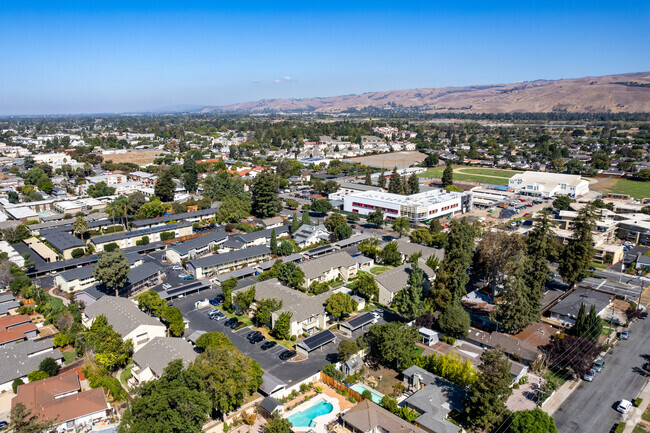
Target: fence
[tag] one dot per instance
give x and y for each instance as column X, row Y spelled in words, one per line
column 340, row 386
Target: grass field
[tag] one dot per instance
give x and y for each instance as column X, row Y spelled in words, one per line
column 468, row 174
column 635, row 188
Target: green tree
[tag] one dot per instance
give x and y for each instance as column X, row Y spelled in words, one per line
column 562, row 203
column 454, row 320
column 21, row 420
column 392, row 343
column 390, row 255
column 16, row 383
column 395, row 182
column 409, row 301
column 421, row 236
column 244, row 298
column 152, row 209
column 76, row 253
column 49, row 366
column 347, row 349
column 111, row 352
column 232, row 210
column 295, row 224
column 540, row 247
column 227, row 287
column 112, row 269
column 283, row 325
column 532, row 421
column 587, row 325
column 13, row 235
column 366, row 286
column 100, row 189
column 381, row 182
column 12, row 196
column 413, row 184
column 285, row 248
column 333, row 372
column 452, row 276
column 274, row 242
column 485, row 404
column 402, row 225
column 306, row 221
column 448, row 174
column 578, row 254
column 135, row 201
column 174, row 319
column 368, row 178
column 390, row 404
column 37, row 375
column 339, row 304
column 265, row 195
column 212, row 339
column 334, row 220
column 175, row 403
column 342, row 231
column 264, row 309
column 80, row 226
column 321, row 206
column 291, row 275
column 376, row 218
column 165, row 186
column 277, row 424
column 190, row 181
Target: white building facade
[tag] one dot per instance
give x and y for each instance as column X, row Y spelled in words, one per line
column 416, row 207
column 539, row 184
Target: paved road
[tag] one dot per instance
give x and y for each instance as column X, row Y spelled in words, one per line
column 591, row 408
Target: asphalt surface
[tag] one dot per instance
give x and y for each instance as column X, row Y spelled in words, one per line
column 288, row 371
column 591, row 408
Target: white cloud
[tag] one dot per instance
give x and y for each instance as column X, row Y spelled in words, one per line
column 285, row 79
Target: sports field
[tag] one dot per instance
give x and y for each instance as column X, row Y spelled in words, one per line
column 493, row 176
column 634, row 188
column 390, row 160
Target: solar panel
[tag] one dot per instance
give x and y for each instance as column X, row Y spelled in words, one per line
column 361, row 320
column 318, row 340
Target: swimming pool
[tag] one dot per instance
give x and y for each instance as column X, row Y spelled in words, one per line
column 359, row 387
column 306, row 417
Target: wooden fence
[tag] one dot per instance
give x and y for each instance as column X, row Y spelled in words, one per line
column 340, row 386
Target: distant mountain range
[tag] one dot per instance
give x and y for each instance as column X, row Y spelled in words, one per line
column 608, row 93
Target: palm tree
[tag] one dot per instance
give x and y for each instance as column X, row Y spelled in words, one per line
column 80, row 226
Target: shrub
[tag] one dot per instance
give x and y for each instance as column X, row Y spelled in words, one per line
column 515, row 386
column 166, row 236
column 620, row 427
column 304, row 387
column 110, row 247
column 143, row 241
column 449, row 340
column 49, row 366
column 333, row 372
column 352, row 399
column 249, row 418
column 638, row 402
column 77, row 252
column 319, row 389
column 523, row 380
column 366, row 394
column 293, row 338
column 15, row 384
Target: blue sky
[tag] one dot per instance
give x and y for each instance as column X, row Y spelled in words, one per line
column 92, row 56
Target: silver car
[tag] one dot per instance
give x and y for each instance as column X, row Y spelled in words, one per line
column 588, row 377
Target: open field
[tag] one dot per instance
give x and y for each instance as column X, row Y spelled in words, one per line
column 635, row 188
column 140, row 157
column 493, row 176
column 390, row 160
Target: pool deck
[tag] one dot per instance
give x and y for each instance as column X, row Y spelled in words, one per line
column 321, row 421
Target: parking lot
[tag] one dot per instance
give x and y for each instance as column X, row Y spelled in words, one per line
column 288, row 371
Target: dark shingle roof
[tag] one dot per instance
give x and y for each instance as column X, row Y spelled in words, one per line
column 266, row 233
column 199, row 242
column 126, row 235
column 123, row 314
column 233, row 256
column 160, row 351
column 62, row 240
column 175, row 217
column 17, row 360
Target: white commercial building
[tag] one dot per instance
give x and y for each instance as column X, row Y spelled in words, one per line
column 423, row 206
column 539, row 184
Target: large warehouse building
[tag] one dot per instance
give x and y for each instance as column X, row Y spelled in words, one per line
column 539, row 184
column 424, row 206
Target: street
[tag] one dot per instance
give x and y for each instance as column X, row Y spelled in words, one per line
column 592, row 406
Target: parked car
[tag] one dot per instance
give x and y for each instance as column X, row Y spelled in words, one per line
column 177, row 268
column 230, row 321
column 220, row 298
column 214, row 302
column 644, row 315
column 3, row 425
column 598, row 365
column 218, row 316
column 188, row 277
column 170, row 303
column 287, row 355
column 253, row 334
column 256, row 339
column 236, row 324
column 166, row 286
column 268, row 345
column 624, row 406
column 625, row 334
column 589, row 376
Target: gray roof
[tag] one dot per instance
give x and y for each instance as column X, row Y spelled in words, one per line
column 352, row 241
column 233, row 256
column 360, row 186
column 408, row 248
column 174, row 217
column 142, row 272
column 123, row 314
column 396, row 279
column 195, row 336
column 6, row 297
column 126, row 235
column 270, row 405
column 270, row 384
column 266, row 233
column 316, row 267
column 6, row 306
column 93, row 292
column 78, row 273
column 160, row 351
column 239, row 273
column 300, row 304
column 233, row 243
column 17, row 360
column 295, row 258
column 367, row 416
column 62, row 240
column 570, row 305
column 199, row 242
column 272, row 221
column 306, row 231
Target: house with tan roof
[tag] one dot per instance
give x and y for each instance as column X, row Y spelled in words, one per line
column 330, row 267
column 60, row 399
column 368, row 417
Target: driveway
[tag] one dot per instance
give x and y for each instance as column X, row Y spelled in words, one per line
column 592, row 406
column 289, row 372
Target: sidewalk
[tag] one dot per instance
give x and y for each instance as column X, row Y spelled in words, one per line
column 634, row 416
column 558, row 397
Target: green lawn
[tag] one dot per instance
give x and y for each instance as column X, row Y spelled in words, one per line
column 599, row 265
column 56, row 302
column 125, row 375
column 635, row 188
column 557, row 378
column 507, row 174
column 417, row 351
column 479, row 175
column 379, row 270
column 68, row 357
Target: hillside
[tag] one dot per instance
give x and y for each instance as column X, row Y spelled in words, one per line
column 608, row 93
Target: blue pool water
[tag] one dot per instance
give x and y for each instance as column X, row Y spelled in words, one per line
column 376, row 397
column 305, row 417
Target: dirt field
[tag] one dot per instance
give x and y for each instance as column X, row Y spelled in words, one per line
column 390, row 160
column 140, row 157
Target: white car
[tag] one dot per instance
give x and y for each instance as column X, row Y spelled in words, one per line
column 588, row 377
column 624, row 406
column 177, row 268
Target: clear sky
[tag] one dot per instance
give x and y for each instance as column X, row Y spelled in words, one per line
column 115, row 56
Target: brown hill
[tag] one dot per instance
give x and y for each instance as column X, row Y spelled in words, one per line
column 608, row 93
